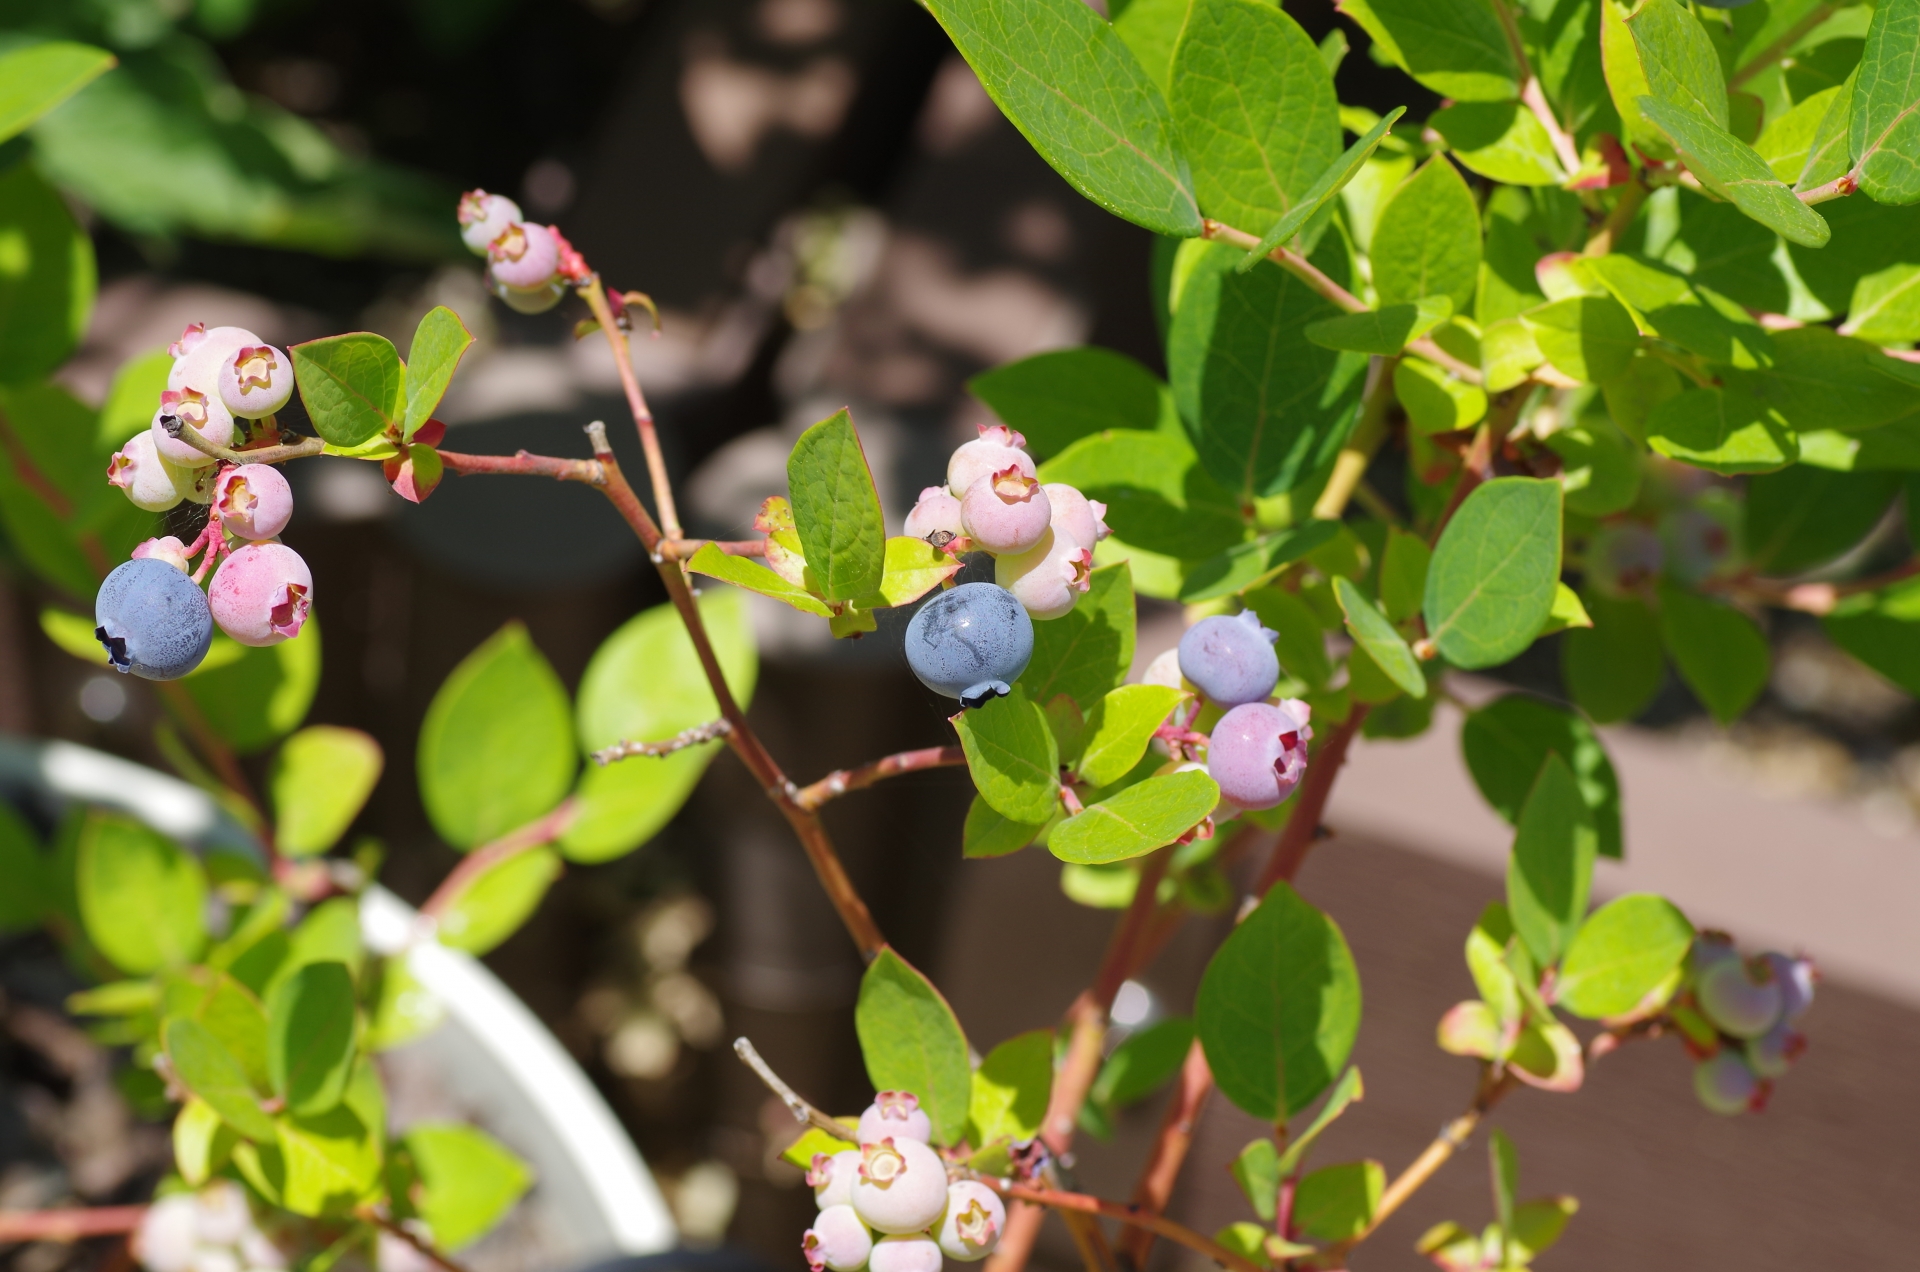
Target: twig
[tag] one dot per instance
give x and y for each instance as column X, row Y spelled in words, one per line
column 533, row 835
column 682, row 549
column 181, row 431
column 68, row 1225
column 1351, row 463
column 803, row 1112
column 1532, row 95
column 590, row 472
column 680, row 741
column 841, row 781
column 1170, row 1148
column 424, row 1247
column 595, row 294
column 1133, row 1216
column 1838, row 188
column 1808, row 598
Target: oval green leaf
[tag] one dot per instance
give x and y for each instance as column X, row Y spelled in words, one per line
column 1491, row 582
column 912, row 1042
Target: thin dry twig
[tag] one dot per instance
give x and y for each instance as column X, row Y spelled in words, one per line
column 841, row 781
column 623, row 749
column 803, row 1112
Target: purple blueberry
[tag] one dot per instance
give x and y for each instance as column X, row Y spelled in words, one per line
column 1739, row 997
column 152, row 619
column 1726, row 1085
column 1231, row 659
column 970, row 643
column 1796, row 978
column 1773, row 1052
column 1258, row 752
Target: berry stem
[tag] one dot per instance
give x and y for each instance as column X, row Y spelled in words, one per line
column 594, row 292
column 302, row 449
column 841, row 781
column 1303, row 826
column 680, row 741
column 533, row 835
column 1132, row 1216
column 68, row 1225
column 682, row 549
column 425, row 1248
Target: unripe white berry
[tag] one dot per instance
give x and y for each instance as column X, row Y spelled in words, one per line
column 995, row 449
column 837, row 1240
column 831, row 1177
column 895, row 1113
column 916, row 1252
column 168, row 1234
column 973, row 1223
column 902, row 1185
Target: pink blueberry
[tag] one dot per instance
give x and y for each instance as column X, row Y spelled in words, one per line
column 198, row 367
column 1082, row 518
column 261, row 594
column 169, row 1234
column 168, row 549
column 837, row 1240
column 901, row 1185
column 1726, row 1085
column 255, row 381
column 524, row 256
column 1739, row 997
column 937, row 513
column 973, row 1223
column 207, row 415
column 1258, row 752
column 484, row 217
column 138, row 469
column 996, row 448
column 914, row 1253
column 895, row 1113
column 831, row 1177
column 1006, row 512
column 1048, row 578
column 254, row 500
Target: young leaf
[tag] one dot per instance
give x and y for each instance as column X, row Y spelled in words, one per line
column 231, row 1012
column 496, row 748
column 1505, row 1163
column 498, row 900
column 1720, row 653
column 1056, row 398
column 1487, row 963
column 1134, row 822
column 1323, row 191
column 1257, row 1171
column 1436, row 402
column 1551, row 870
column 1627, row 79
column 467, row 1181
column 1885, row 129
column 354, row 386
column 439, row 342
column 1537, row 1224
column 1731, row 169
column 1491, row 583
column 1502, row 141
column 1722, row 430
column 1587, row 338
column 814, row 1140
column 1625, row 951
column 141, row 898
column 1828, row 155
column 210, row 1071
column 837, row 510
column 1012, row 755
column 1472, row 1028
column 1069, row 83
column 332, row 1161
column 1087, row 652
column 202, row 1142
column 988, row 834
column 1664, row 303
column 913, row 568
column 1119, row 728
column 1383, row 331
column 1337, row 1202
column 912, row 1042
column 750, row 574
column 1349, row 1090
column 1678, row 59
column 310, row 1027
column 1506, row 742
column 1279, row 1007
column 1454, row 47
column 1249, row 564
column 1158, row 496
column 1372, row 632
column 1427, row 241
column 1255, row 110
column 1614, row 668
column 1011, row 1088
column 35, row 79
column 320, row 780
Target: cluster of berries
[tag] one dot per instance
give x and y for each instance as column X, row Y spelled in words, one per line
column 150, row 614
column 1256, row 745
column 212, row 1230
column 1625, row 559
column 1738, row 1021
column 888, row 1205
column 528, row 265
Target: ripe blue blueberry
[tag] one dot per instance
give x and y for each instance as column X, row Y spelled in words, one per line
column 1727, row 1086
column 970, row 643
column 153, row 620
column 1231, row 659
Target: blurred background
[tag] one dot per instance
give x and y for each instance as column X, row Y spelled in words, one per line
column 829, row 211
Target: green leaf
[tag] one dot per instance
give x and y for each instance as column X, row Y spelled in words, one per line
column 1383, row 331
column 320, row 780
column 210, row 1072
column 1403, row 575
column 499, row 900
column 1821, row 379
column 35, row 79
column 1264, row 405
column 1599, row 466
column 1491, row 583
column 1884, row 134
column 1254, row 107
column 837, row 510
column 439, row 342
column 1335, row 1203
column 1087, row 652
column 1493, row 975
column 1252, row 563
column 1537, row 1224
column 1505, row 1162
column 468, row 1181
column 202, row 1143
column 1802, row 517
column 1886, row 306
column 1010, row 1089
column 496, row 748
column 310, row 1048
column 1720, row 653
column 252, row 696
column 644, row 683
column 354, row 386
column 1879, row 628
column 913, row 568
column 399, row 1008
column 1348, row 1090
column 1427, row 241
column 332, row 1161
column 1664, row 303
column 1625, row 951
column 988, row 834
column 1588, row 338
column 1323, row 191
column 1151, row 28
column 1454, row 47
column 1157, row 495
column 1257, row 1171
column 1733, row 170
column 912, row 1042
column 814, row 1140
column 1722, row 430
column 1279, row 1007
column 1614, row 668
column 1302, row 644
column 128, row 410
column 1679, row 60
column 1627, row 80
column 48, row 277
column 1551, row 870
column 229, row 1010
column 755, row 577
column 1012, row 756
column 1118, row 730
column 27, row 899
column 1134, row 822
column 1787, row 141
column 1434, row 400
column 1142, row 1063
column 1506, row 744
column 1502, row 141
column 1828, row 153
column 1072, row 87
column 141, row 898
column 1373, row 633
column 1056, row 398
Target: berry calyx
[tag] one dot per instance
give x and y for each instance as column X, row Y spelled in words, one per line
column 901, row 1186
column 996, row 448
column 935, row 518
column 255, row 381
column 1006, row 511
column 1049, row 578
column 253, row 500
column 970, row 642
column 190, row 339
column 484, row 217
column 1258, row 752
column 974, row 1221
column 831, row 1177
column 1231, row 658
column 152, row 619
column 148, row 480
column 837, row 1240
column 897, row 1114
column 261, row 594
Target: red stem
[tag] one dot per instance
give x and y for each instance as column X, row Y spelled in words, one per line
column 68, row 1225
column 476, row 863
column 841, row 781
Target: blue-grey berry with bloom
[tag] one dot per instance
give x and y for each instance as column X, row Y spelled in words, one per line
column 1231, row 659
column 152, row 620
column 970, row 643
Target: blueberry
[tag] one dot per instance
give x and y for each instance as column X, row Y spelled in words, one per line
column 901, row 1186
column 1740, row 998
column 970, row 643
column 484, row 217
column 975, row 1219
column 909, row 1252
column 153, row 620
column 1796, row 978
column 837, row 1241
column 1258, row 752
column 1773, row 1052
column 896, row 1113
column 1726, row 1085
column 1231, row 659
column 261, row 594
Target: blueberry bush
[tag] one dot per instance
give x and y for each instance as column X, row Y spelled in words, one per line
column 1617, row 343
